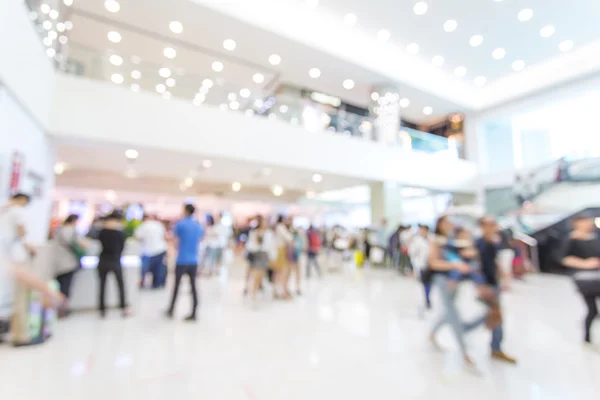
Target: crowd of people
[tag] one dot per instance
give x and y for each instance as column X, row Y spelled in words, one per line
column 441, row 259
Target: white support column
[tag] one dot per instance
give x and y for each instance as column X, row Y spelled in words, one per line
column 386, row 202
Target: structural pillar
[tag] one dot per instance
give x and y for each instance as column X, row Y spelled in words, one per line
column 386, row 202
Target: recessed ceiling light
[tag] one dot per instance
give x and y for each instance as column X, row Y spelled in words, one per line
column 164, row 72
column 68, row 25
column 480, row 80
column 229, row 44
column 518, row 65
column 274, row 59
column 61, row 27
column 170, row 82
column 117, row 78
column 170, row 52
column 234, row 105
column 310, row 194
column 317, row 178
column 52, row 35
column 404, row 102
column 135, row 74
column 450, row 25
column 53, row 14
column 135, row 87
column 427, row 110
column 374, row 96
column 312, row 3
column 59, row 168
column 176, row 26
column 277, row 190
column 236, row 186
column 420, row 8
column 412, row 48
column 547, row 31
column 217, row 66
column 476, row 40
column 258, row 78
column 131, row 154
column 437, row 61
column 50, row 52
column 114, row 37
column 525, row 14
column 383, row 35
column 207, row 163
column 283, row 109
column 207, row 83
column 499, row 53
column 348, row 84
column 232, row 96
column 314, row 73
column 350, row 19
column 45, row 8
column 112, row 6
column 47, row 25
column 565, row 45
column 245, row 93
column 258, row 103
column 203, row 90
column 460, row 71
column 160, row 88
column 200, row 97
column 62, row 39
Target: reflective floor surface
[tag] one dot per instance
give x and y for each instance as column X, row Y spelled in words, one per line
column 352, row 335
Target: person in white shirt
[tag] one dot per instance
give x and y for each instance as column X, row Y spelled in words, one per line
column 152, row 235
column 212, row 240
column 262, row 251
column 418, row 251
column 224, row 233
column 15, row 279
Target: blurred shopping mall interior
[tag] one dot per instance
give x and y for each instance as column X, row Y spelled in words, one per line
column 359, row 122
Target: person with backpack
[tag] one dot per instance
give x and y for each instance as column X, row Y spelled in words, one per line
column 312, row 252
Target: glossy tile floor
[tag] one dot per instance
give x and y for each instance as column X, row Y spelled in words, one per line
column 352, row 335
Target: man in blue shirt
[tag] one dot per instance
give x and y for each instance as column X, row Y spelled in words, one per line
column 188, row 233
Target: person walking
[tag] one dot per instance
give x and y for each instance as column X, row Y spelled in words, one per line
column 188, row 233
column 581, row 253
column 262, row 250
column 67, row 249
column 283, row 239
column 312, row 253
column 112, row 239
column 212, row 250
column 153, row 236
column 418, row 251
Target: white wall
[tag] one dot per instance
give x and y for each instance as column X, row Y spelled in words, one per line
column 24, row 67
column 19, row 133
column 87, row 109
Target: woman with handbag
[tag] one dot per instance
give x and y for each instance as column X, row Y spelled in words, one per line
column 581, row 253
column 67, row 250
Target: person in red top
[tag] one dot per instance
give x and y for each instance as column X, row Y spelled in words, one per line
column 313, row 248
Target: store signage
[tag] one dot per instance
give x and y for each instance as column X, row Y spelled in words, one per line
column 326, row 99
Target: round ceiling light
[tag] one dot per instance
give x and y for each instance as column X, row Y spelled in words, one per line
column 480, row 81
column 350, row 19
column 383, row 35
column 258, row 78
column 207, row 163
column 310, row 194
column 45, row 8
column 427, row 110
column 176, row 26
column 450, row 25
column 258, row 103
column 348, row 84
column 460, row 71
column 236, row 186
column 47, row 41
column 404, row 102
column 317, row 178
column 274, row 59
column 499, row 53
column 277, row 190
column 207, row 83
column 61, row 27
column 314, row 73
column 283, row 109
column 160, row 88
column 412, row 48
column 234, row 105
column 232, row 97
column 114, row 37
column 59, row 168
column 112, row 5
column 420, row 8
column 131, row 154
column 170, row 82
column 68, row 25
column 217, row 66
column 47, row 25
column 525, row 14
column 116, row 60
column 476, row 40
column 53, row 14
column 63, row 39
column 170, row 52
column 518, row 65
column 52, row 35
column 164, row 72
column 135, row 74
column 245, row 93
column 437, row 61
column 50, row 52
column 565, row 45
column 374, row 96
column 547, row 31
column 229, row 44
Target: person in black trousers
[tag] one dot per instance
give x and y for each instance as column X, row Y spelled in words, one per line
column 112, row 239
